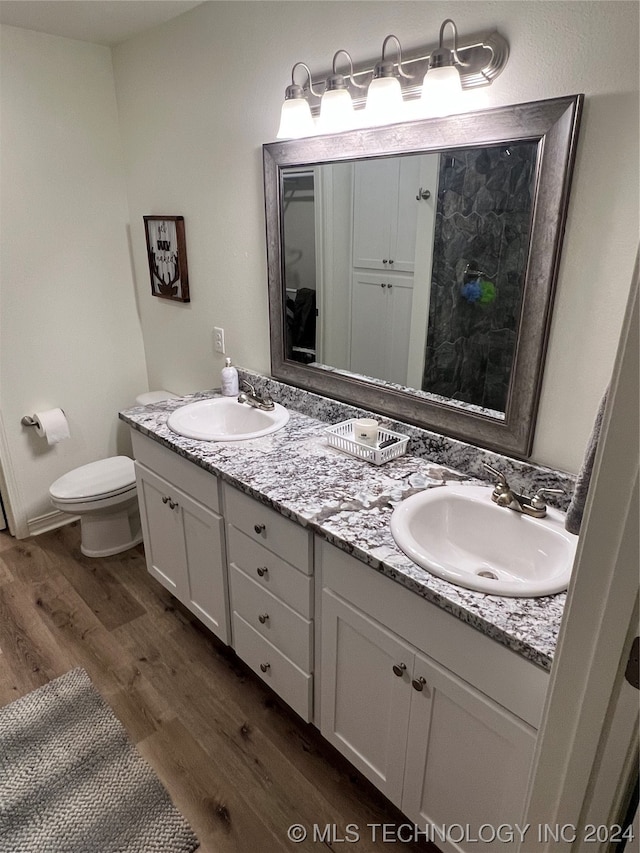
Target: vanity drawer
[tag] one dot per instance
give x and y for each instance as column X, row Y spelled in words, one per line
column 186, row 475
column 267, row 527
column 274, row 668
column 281, row 625
column 270, row 572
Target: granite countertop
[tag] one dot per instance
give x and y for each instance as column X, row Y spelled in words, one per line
column 349, row 503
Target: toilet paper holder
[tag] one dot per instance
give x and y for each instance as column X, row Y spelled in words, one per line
column 28, row 420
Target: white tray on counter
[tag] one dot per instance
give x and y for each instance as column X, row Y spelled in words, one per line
column 342, row 436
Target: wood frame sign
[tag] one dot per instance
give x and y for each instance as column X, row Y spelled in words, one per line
column 167, row 255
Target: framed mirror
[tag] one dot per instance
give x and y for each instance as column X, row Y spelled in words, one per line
column 412, row 267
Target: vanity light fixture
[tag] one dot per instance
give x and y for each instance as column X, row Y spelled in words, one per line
column 384, row 98
column 296, row 120
column 422, row 75
column 441, row 87
column 336, row 105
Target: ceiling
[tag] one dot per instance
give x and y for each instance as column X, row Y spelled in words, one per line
column 107, row 22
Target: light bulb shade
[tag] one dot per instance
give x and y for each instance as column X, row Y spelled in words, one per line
column 384, row 101
column 296, row 120
column 441, row 91
column 336, row 111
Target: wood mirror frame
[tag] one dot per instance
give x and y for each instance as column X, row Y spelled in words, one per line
column 553, row 124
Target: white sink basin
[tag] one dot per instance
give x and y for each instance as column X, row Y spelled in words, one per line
column 457, row 533
column 224, row 419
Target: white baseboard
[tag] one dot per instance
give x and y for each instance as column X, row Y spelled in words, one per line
column 50, row 521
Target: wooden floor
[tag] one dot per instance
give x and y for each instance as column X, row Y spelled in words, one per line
column 238, row 764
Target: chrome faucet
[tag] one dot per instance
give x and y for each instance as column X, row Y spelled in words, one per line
column 503, row 495
column 249, row 395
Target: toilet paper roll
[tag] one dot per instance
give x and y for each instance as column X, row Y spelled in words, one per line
column 52, row 425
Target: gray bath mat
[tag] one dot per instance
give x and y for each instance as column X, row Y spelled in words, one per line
column 71, row 781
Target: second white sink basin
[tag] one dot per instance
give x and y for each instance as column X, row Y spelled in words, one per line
column 457, row 533
column 224, row 419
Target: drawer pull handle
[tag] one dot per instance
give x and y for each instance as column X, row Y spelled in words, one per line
column 165, row 499
column 399, row 669
column 418, row 684
column 262, row 618
column 259, row 528
column 262, row 571
column 265, row 667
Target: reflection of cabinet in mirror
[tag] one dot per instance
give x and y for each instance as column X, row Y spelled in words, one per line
column 380, row 316
column 384, row 213
column 370, row 217
column 462, row 247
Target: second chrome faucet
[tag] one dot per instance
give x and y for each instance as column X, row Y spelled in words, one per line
column 503, row 495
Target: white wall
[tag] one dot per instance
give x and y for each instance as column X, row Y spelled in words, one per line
column 69, row 331
column 198, row 96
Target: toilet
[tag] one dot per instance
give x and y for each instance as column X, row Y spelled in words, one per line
column 103, row 494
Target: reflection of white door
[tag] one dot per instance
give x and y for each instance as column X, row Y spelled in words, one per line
column 380, row 317
column 424, row 240
column 333, row 217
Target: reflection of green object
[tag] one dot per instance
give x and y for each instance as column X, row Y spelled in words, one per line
column 487, row 292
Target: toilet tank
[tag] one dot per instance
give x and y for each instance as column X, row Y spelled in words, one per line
column 154, row 397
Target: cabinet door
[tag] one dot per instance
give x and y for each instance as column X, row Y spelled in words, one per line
column 403, row 233
column 364, row 704
column 163, row 533
column 468, row 760
column 400, row 300
column 369, row 325
column 183, row 544
column 206, row 569
column 380, row 320
column 385, row 213
column 374, row 211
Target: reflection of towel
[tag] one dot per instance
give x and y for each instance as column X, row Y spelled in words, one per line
column 573, row 518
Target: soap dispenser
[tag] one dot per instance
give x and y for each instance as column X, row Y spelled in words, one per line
column 229, row 376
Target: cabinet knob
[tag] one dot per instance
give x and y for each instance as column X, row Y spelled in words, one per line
column 262, row 618
column 265, row 667
column 399, row 669
column 390, row 262
column 383, row 285
column 173, row 504
column 262, row 571
column 165, row 499
column 418, row 684
column 389, row 286
column 385, row 261
column 259, row 528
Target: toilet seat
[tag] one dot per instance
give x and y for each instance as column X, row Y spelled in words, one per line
column 97, row 481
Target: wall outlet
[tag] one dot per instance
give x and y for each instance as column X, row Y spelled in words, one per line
column 218, row 339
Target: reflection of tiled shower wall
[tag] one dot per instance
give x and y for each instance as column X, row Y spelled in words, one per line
column 482, row 219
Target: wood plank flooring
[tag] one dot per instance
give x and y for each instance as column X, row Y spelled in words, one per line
column 238, row 763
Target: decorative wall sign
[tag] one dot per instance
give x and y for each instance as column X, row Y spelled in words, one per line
column 167, row 253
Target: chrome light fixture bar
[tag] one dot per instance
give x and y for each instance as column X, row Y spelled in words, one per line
column 477, row 60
